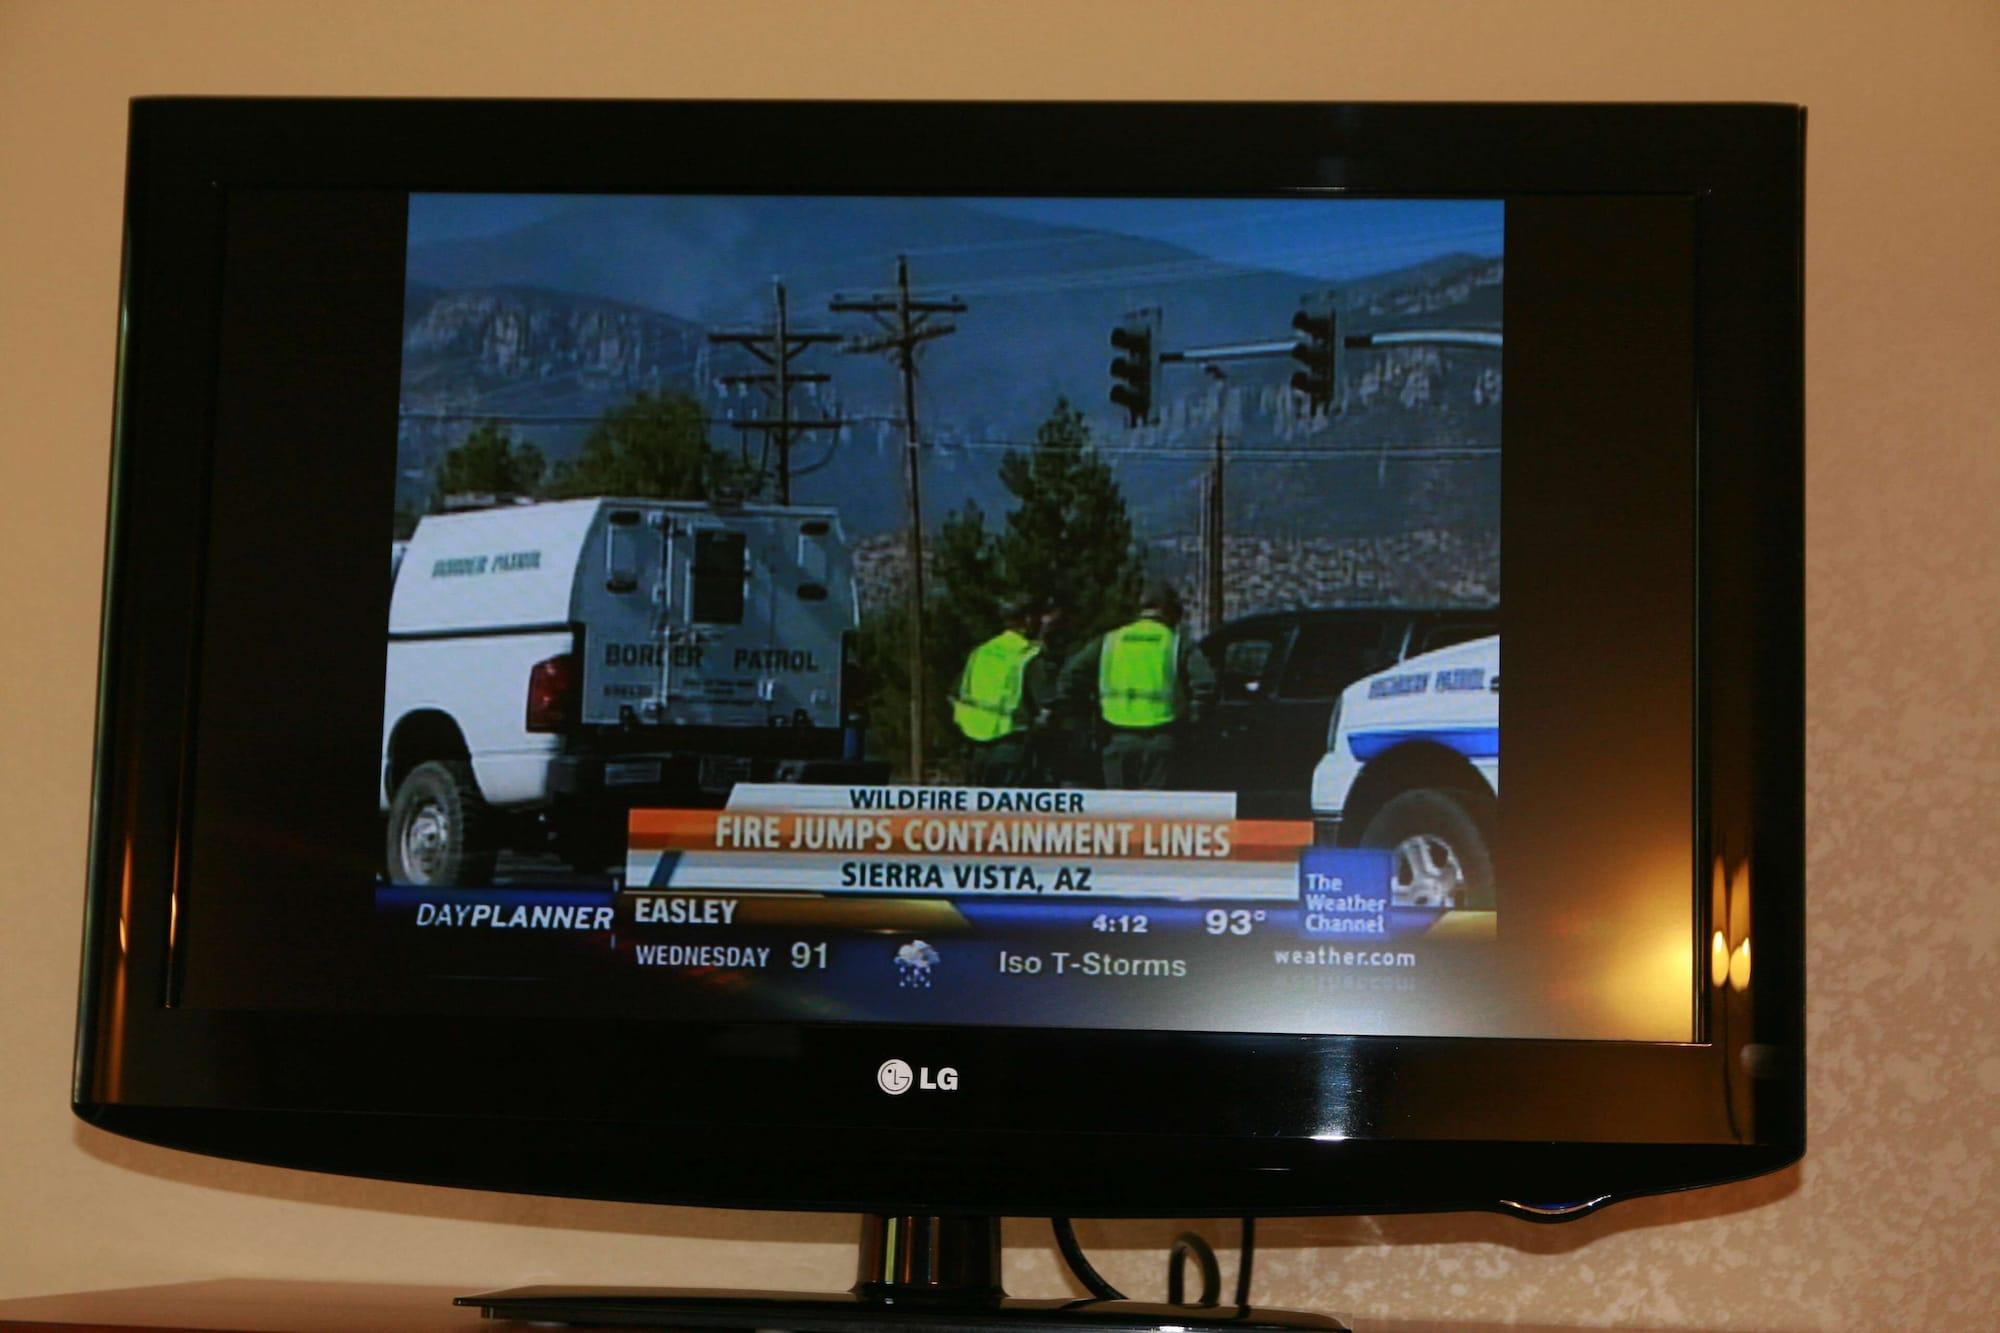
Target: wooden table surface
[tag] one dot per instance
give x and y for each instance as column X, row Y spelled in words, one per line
column 245, row 1306
column 250, row 1306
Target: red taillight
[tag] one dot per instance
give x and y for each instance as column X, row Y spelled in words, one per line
column 552, row 689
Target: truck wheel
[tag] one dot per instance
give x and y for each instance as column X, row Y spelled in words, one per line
column 440, row 830
column 1442, row 858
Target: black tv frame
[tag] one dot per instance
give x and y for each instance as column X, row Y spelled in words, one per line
column 1057, row 1122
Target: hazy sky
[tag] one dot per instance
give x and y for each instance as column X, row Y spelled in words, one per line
column 1322, row 238
column 1326, row 238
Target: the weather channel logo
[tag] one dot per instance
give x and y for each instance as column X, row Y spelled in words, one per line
column 1344, row 893
column 895, row 1077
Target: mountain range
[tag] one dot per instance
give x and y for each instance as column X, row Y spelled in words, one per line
column 545, row 326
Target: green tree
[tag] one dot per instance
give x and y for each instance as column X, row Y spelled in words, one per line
column 962, row 608
column 881, row 649
column 966, row 594
column 488, row 462
column 656, row 447
column 1069, row 541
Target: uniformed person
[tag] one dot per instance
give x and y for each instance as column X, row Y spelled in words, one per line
column 1146, row 684
column 1061, row 758
column 1003, row 694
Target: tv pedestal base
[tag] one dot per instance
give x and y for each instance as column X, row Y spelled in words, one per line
column 937, row 1273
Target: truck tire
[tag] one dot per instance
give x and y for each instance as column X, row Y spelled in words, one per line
column 1442, row 856
column 440, row 830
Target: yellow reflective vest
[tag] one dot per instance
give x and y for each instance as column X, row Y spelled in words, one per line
column 1137, row 684
column 989, row 689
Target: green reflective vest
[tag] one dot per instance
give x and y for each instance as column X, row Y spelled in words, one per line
column 989, row 689
column 1136, row 685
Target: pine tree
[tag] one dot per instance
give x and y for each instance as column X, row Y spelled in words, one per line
column 653, row 447
column 1069, row 542
column 488, row 462
column 968, row 592
column 963, row 610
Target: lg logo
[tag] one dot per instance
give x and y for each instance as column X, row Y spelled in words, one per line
column 895, row 1077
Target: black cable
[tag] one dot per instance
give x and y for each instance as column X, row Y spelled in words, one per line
column 1248, row 1253
column 1185, row 1244
column 1072, row 1254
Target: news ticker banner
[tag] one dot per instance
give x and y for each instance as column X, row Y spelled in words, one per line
column 1337, row 895
column 1359, row 911
column 970, row 841
column 1016, row 843
column 793, row 854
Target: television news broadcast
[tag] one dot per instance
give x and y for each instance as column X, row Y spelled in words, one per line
column 945, row 682
column 1075, row 612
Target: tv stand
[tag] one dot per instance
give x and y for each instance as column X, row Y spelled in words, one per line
column 933, row 1273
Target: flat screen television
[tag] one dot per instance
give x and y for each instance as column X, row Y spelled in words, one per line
column 943, row 660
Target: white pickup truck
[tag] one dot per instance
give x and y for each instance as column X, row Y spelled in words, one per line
column 1412, row 765
column 552, row 665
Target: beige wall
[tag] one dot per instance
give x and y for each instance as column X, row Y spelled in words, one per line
column 1884, row 1219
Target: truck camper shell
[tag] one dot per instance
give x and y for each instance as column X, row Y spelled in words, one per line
column 581, row 656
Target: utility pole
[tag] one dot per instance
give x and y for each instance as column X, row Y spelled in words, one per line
column 777, row 346
column 1317, row 349
column 1213, row 529
column 906, row 322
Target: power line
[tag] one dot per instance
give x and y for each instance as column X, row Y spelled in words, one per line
column 1368, row 453
column 1250, row 453
column 907, row 322
column 777, row 346
column 581, row 419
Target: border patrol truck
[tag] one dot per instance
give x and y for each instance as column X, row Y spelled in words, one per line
column 551, row 666
column 1412, row 766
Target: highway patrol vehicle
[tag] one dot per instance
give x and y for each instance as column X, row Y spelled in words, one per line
column 1412, row 765
column 552, row 665
column 1281, row 673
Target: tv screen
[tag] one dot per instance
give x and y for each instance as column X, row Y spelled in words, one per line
column 653, row 607
column 1202, row 727
column 1024, row 634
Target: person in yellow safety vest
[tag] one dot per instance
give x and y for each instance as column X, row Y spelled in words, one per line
column 1003, row 694
column 1147, row 684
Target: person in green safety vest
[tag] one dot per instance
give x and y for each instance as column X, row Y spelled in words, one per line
column 1002, row 696
column 1147, row 684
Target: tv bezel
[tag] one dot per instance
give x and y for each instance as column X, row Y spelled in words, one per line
column 1059, row 1121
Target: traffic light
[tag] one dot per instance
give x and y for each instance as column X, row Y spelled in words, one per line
column 1135, row 371
column 1318, row 350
